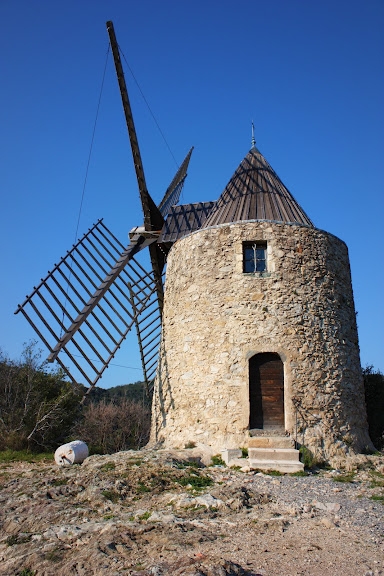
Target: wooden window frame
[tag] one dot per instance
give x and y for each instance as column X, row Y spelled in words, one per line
column 259, row 264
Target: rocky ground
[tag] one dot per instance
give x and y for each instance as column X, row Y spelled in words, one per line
column 152, row 513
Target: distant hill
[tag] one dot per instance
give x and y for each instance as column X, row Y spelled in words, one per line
column 135, row 391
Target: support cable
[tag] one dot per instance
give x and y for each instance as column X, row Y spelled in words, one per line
column 149, row 108
column 92, row 141
column 86, row 172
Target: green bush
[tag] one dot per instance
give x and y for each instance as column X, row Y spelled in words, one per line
column 307, row 458
column 244, row 452
column 197, row 482
column 217, row 460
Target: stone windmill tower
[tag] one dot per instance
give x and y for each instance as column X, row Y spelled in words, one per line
column 259, row 333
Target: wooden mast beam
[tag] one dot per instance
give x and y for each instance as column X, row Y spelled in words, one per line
column 153, row 219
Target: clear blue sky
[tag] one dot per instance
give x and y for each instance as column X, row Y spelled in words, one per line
column 309, row 74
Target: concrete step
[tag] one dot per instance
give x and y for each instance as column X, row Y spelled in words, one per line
column 271, row 442
column 285, row 467
column 283, row 454
column 274, row 453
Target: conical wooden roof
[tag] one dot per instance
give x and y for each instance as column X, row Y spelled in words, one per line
column 255, row 192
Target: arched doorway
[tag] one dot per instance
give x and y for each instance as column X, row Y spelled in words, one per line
column 266, row 391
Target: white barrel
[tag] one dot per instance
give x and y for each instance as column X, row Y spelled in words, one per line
column 72, row 453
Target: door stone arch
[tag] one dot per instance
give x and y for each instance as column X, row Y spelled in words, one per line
column 266, row 391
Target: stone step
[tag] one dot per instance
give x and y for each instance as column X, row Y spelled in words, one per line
column 283, row 454
column 274, row 453
column 271, row 442
column 268, row 431
column 285, row 467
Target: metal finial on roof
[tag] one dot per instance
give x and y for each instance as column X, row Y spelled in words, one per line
column 253, row 136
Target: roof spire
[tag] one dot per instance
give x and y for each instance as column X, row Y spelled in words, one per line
column 253, row 136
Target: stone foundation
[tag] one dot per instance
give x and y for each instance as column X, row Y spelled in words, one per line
column 216, row 318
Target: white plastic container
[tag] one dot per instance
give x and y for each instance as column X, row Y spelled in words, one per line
column 72, row 453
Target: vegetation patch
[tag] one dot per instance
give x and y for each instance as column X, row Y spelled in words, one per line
column 378, row 497
column 108, row 466
column 217, row 460
column 307, row 457
column 195, row 481
column 25, row 456
column 377, row 479
column 15, row 539
column 190, row 444
column 181, row 464
column 111, row 495
column 58, row 481
column 157, row 479
column 344, row 477
column 375, row 483
column 141, row 487
column 145, row 516
column 55, row 555
column 299, row 474
column 134, row 461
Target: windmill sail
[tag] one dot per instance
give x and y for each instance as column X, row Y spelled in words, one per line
column 83, row 307
column 172, row 194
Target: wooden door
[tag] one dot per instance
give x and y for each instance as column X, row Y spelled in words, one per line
column 266, row 391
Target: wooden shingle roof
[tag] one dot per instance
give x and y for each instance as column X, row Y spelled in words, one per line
column 255, row 192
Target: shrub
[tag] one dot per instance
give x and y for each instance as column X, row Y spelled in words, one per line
column 244, row 452
column 111, row 427
column 306, row 457
column 217, row 460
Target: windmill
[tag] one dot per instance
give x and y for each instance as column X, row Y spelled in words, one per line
column 99, row 291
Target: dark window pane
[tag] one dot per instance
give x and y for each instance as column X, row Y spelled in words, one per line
column 249, row 266
column 260, row 266
column 248, row 253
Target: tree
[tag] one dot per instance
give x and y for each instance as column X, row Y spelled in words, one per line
column 374, row 399
column 37, row 406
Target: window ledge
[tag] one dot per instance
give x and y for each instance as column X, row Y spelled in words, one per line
column 258, row 274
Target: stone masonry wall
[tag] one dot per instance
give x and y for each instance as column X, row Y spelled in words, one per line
column 216, row 318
